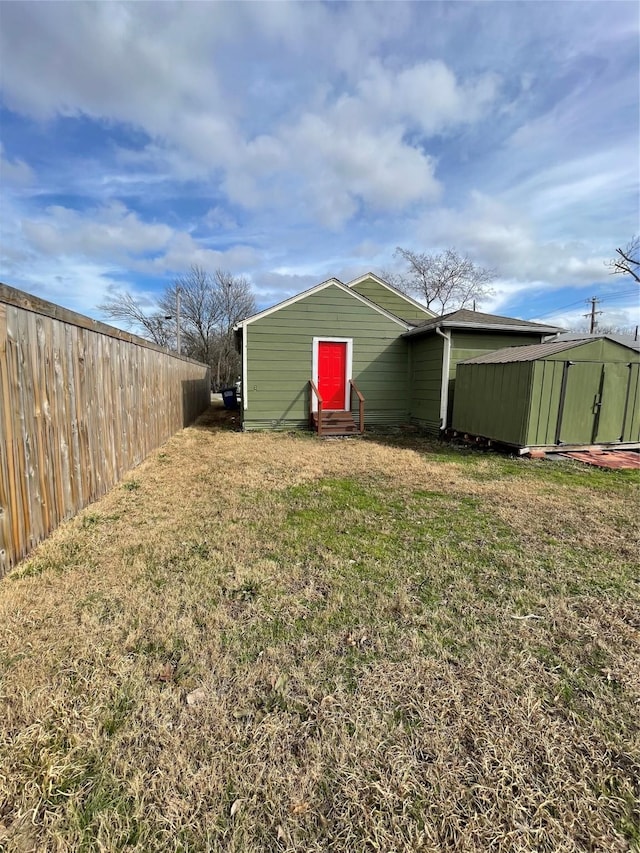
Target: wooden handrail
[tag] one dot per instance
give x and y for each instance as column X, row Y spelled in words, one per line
column 314, row 390
column 355, row 388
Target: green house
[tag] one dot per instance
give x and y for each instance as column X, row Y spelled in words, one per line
column 343, row 340
column 565, row 392
column 339, row 357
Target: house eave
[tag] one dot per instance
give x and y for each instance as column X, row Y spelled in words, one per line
column 483, row 327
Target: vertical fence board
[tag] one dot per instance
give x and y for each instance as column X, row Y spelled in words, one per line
column 80, row 404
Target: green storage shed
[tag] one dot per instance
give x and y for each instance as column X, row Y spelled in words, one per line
column 562, row 393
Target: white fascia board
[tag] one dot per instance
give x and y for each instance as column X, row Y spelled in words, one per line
column 332, row 282
column 444, row 383
column 245, row 390
column 290, row 301
column 481, row 327
column 497, row 327
column 393, row 289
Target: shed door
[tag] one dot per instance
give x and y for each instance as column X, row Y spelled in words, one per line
column 332, row 373
column 579, row 409
column 613, row 396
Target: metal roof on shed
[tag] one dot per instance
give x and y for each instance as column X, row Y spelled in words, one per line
column 535, row 351
column 526, row 353
column 585, row 337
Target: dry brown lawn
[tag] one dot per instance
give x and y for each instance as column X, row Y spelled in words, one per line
column 267, row 642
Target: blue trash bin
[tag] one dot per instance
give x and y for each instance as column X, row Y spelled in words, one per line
column 229, row 398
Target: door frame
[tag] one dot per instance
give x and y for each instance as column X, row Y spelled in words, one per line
column 348, row 369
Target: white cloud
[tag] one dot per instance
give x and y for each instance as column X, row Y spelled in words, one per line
column 111, row 232
column 167, row 70
column 114, row 239
column 507, row 239
column 358, row 119
column 426, row 95
column 183, row 251
column 14, row 172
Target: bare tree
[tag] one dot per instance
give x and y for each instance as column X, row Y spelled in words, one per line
column 236, row 302
column 210, row 305
column 121, row 306
column 199, row 312
column 628, row 260
column 445, row 282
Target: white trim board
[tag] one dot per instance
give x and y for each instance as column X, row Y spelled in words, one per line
column 393, row 289
column 332, row 282
column 245, row 390
column 349, row 370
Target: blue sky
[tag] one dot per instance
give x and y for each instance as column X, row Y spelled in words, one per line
column 291, row 142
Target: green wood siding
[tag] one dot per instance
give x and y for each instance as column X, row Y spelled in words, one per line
column 280, row 360
column 426, row 379
column 395, row 303
column 492, row 400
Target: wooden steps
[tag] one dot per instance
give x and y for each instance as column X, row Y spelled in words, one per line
column 336, row 423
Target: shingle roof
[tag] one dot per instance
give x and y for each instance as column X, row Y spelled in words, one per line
column 532, row 351
column 466, row 319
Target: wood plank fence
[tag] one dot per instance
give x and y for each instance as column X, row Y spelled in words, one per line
column 80, row 404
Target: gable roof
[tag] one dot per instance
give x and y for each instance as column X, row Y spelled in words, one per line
column 393, row 290
column 466, row 319
column 331, row 282
column 535, row 351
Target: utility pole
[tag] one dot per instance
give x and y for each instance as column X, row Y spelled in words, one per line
column 592, row 314
column 178, row 320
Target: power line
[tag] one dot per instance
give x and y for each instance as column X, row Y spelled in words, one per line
column 592, row 314
column 622, row 295
column 619, row 295
column 561, row 308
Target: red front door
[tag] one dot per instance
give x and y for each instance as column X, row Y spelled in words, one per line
column 332, row 373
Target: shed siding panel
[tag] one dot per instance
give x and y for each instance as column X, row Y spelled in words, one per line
column 280, row 357
column 390, row 301
column 545, row 402
column 466, row 345
column 492, row 401
column 631, row 431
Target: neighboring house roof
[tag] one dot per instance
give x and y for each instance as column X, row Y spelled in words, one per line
column 331, row 282
column 534, row 351
column 465, row 319
column 625, row 340
column 395, row 290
